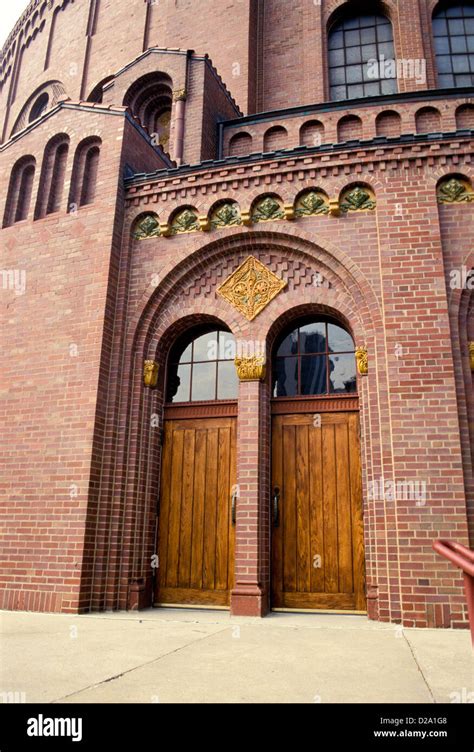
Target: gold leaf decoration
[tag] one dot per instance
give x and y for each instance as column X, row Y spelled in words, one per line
column 150, row 373
column 362, row 359
column 251, row 288
column 251, row 369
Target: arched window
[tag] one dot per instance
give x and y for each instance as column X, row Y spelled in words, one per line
column 40, row 106
column 201, row 367
column 19, row 191
column 84, row 173
column 150, row 99
column 359, row 46
column 315, row 358
column 53, row 171
column 453, row 31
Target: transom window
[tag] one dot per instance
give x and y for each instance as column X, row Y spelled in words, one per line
column 453, row 31
column 201, row 368
column 353, row 42
column 316, row 358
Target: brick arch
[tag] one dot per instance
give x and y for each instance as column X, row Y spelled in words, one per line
column 388, row 123
column 179, row 209
column 336, row 8
column 349, row 127
column 130, row 451
column 262, row 194
column 312, row 186
column 174, row 321
column 465, row 116
column 268, row 235
column 428, row 120
column 293, row 315
column 240, row 144
column 442, row 172
column 275, row 138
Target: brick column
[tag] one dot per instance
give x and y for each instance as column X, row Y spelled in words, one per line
column 250, row 594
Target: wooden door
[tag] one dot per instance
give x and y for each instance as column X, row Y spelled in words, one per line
column 318, row 551
column 195, row 526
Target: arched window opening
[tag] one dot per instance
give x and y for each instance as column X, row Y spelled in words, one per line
column 315, row 358
column 97, row 93
column 53, row 172
column 453, row 32
column 39, row 107
column 20, row 191
column 359, row 47
column 84, row 173
column 161, row 122
column 201, row 367
column 150, row 99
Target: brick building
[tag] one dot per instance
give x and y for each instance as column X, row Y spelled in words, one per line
column 237, row 335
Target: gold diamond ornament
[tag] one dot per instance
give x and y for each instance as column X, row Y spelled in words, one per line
column 251, row 287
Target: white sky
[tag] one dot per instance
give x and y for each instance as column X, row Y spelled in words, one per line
column 10, row 12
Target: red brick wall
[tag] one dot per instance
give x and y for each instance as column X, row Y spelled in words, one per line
column 57, row 328
column 270, row 56
column 399, row 117
column 82, row 462
column 410, row 429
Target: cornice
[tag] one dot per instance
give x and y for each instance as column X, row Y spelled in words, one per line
column 362, row 157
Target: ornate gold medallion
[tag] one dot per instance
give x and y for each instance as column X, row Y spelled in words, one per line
column 251, row 288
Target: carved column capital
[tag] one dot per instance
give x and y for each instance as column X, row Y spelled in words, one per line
column 150, row 373
column 362, row 359
column 251, row 369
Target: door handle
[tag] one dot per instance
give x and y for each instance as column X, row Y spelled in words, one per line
column 234, row 506
column 276, row 506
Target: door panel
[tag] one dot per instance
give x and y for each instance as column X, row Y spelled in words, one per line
column 195, row 531
column 317, row 547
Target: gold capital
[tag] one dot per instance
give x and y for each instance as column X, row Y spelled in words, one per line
column 150, row 373
column 362, row 359
column 251, row 369
column 471, row 355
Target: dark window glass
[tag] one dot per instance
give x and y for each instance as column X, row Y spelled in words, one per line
column 453, row 32
column 313, row 374
column 202, row 368
column 313, row 338
column 316, row 358
column 352, row 43
column 39, row 107
column 285, row 376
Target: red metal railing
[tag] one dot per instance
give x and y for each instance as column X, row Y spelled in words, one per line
column 463, row 558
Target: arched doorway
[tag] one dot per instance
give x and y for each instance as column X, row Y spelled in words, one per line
column 198, row 492
column 317, row 525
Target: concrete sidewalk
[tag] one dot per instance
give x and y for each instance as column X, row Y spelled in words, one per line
column 173, row 655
